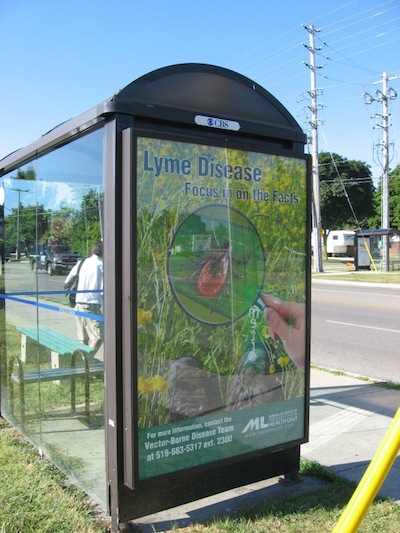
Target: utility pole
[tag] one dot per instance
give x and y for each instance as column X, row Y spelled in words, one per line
column 383, row 97
column 19, row 202
column 316, row 211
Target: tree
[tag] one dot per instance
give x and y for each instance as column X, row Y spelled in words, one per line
column 394, row 202
column 345, row 186
column 31, row 222
column 84, row 227
column 28, row 174
column 34, row 225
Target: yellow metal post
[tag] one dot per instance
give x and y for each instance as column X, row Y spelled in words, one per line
column 371, row 481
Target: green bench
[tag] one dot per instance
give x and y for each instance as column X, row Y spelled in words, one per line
column 60, row 346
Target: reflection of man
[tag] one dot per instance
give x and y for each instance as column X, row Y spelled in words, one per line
column 89, row 297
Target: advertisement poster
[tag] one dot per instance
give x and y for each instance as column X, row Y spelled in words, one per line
column 363, row 252
column 221, row 287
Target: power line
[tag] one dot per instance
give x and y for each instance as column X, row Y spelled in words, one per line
column 362, row 42
column 280, row 70
column 372, row 48
column 343, row 185
column 359, row 20
column 353, row 35
column 263, row 45
column 287, row 48
column 335, row 10
column 351, row 62
column 272, row 57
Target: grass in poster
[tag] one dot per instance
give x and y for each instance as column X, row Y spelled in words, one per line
column 184, row 242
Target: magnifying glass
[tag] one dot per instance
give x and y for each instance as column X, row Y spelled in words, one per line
column 216, row 265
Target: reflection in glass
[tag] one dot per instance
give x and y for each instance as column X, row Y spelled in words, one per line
column 54, row 390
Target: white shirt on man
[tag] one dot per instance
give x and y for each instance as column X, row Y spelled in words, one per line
column 90, row 280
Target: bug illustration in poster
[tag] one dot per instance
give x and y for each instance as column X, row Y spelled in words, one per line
column 214, row 282
column 213, row 272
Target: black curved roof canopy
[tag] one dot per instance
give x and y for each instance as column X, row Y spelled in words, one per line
column 176, row 94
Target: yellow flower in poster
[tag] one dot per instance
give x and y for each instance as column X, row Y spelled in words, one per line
column 284, row 360
column 265, row 332
column 159, row 383
column 141, row 385
column 152, row 384
column 143, row 316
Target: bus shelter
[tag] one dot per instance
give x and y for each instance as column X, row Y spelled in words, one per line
column 194, row 180
column 370, row 249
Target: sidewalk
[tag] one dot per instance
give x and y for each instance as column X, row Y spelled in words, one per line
column 348, row 420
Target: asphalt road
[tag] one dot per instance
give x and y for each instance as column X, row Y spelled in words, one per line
column 20, row 278
column 356, row 328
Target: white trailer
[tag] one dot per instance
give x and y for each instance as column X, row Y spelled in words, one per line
column 340, row 243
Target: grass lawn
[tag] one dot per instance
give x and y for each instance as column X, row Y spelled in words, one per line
column 341, row 270
column 35, row 497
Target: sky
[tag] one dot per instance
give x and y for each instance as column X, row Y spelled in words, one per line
column 60, row 59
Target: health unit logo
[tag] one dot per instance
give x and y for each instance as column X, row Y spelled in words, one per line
column 273, row 422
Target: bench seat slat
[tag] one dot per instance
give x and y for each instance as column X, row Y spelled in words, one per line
column 54, row 341
column 53, row 374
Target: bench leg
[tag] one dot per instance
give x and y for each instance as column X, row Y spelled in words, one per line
column 21, row 392
column 23, row 348
column 73, row 388
column 21, row 387
column 87, row 383
column 22, row 395
column 87, row 391
column 55, row 360
column 10, row 385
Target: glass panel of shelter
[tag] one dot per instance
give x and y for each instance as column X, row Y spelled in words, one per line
column 53, row 214
column 376, row 247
